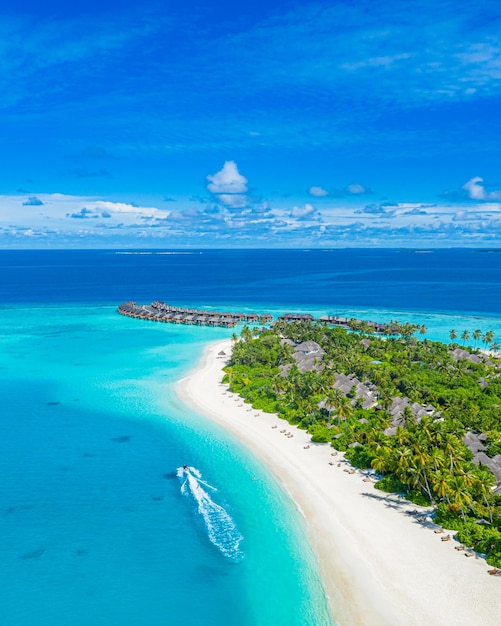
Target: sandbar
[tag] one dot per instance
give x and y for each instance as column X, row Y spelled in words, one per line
column 380, row 565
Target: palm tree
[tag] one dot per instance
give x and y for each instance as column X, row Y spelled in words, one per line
column 344, row 409
column 404, row 461
column 452, row 447
column 285, row 352
column 453, row 334
column 332, row 400
column 280, row 383
column 354, row 324
column 477, row 333
column 467, row 475
column 422, row 329
column 402, row 435
column 483, row 485
column 382, row 460
column 394, row 327
column 440, row 480
column 438, row 458
column 307, row 405
column 421, row 456
column 465, row 336
column 462, row 367
column 325, row 381
column 246, row 333
column 460, row 494
column 414, row 478
column 407, row 330
column 488, row 337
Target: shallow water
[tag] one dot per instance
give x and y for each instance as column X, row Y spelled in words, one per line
column 93, row 525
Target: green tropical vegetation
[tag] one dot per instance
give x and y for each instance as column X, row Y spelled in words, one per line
column 406, row 415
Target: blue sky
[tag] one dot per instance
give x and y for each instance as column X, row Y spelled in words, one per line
column 255, row 124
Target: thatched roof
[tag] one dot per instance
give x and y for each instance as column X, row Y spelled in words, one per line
column 494, row 464
column 473, row 443
column 308, row 356
column 309, row 347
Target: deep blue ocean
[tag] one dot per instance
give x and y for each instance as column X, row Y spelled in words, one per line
column 95, row 525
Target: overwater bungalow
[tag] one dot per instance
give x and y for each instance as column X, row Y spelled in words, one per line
column 296, row 317
column 161, row 312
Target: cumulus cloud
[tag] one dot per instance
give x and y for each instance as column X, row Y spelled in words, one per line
column 350, row 191
column 301, row 212
column 385, row 208
column 82, row 214
column 188, row 215
column 33, row 201
column 227, row 180
column 472, row 216
column 415, row 211
column 318, row 192
column 355, row 189
column 233, row 200
column 128, row 207
column 229, row 186
column 262, row 208
column 476, row 190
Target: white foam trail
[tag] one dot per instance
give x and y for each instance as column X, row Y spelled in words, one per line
column 221, row 528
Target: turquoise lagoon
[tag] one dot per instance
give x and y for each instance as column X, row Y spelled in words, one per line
column 93, row 526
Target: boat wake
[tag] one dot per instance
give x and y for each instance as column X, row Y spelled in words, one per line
column 221, row 528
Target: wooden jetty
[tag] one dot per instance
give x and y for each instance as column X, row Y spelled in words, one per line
column 161, row 312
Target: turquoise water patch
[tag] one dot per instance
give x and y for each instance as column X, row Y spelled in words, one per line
column 93, row 525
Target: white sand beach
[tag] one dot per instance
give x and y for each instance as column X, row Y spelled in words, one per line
column 380, row 565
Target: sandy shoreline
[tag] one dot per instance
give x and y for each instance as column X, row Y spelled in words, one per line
column 380, row 566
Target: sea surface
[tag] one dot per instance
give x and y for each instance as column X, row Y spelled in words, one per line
column 99, row 524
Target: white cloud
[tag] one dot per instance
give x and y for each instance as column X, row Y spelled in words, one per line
column 122, row 207
column 476, row 190
column 33, row 201
column 56, row 208
column 229, row 187
column 318, row 192
column 233, row 200
column 356, row 189
column 227, row 180
column 301, row 212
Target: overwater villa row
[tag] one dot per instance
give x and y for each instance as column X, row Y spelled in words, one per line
column 160, row 312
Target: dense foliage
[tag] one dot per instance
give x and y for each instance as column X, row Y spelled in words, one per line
column 424, row 456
